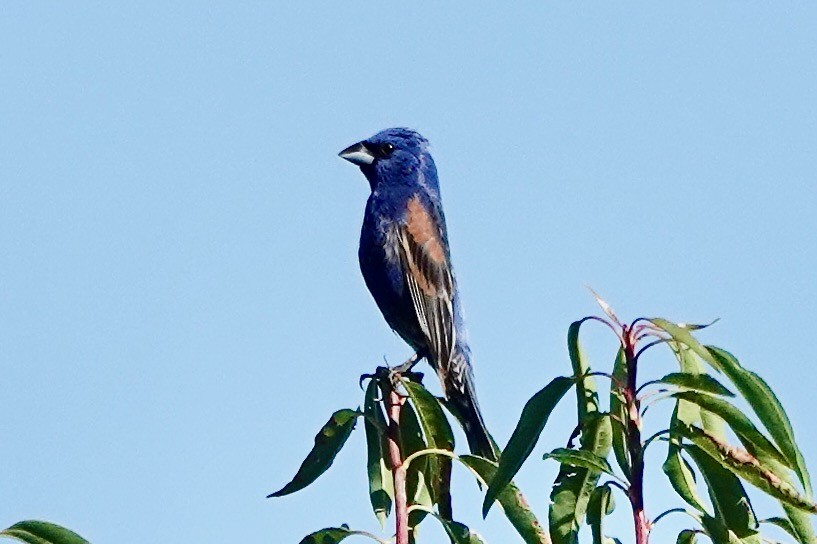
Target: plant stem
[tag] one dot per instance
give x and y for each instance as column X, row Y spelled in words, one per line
column 394, row 403
column 636, row 490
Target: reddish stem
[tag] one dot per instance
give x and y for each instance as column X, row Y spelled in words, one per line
column 636, row 490
column 394, row 403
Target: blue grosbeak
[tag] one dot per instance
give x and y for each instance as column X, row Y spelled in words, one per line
column 406, row 263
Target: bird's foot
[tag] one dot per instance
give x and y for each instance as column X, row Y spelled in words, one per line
column 404, row 370
column 397, row 373
column 406, row 367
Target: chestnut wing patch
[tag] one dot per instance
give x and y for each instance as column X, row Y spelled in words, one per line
column 424, row 231
column 425, row 266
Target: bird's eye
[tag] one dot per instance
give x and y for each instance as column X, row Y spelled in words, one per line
column 386, row 150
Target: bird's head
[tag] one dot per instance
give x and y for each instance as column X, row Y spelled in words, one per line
column 393, row 156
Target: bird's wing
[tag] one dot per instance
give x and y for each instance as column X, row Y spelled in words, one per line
column 424, row 258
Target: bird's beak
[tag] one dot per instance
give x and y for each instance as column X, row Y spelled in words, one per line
column 357, row 154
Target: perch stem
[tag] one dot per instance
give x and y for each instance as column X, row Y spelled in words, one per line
column 636, row 490
column 394, row 403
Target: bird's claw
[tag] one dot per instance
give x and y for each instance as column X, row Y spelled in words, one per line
column 395, row 374
column 409, row 363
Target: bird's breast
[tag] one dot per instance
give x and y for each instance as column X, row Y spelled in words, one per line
column 379, row 259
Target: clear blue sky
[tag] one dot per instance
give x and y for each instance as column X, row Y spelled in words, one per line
column 180, row 301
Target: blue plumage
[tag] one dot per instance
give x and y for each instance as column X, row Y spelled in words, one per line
column 406, row 263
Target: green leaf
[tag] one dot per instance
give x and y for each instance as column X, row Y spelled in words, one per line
column 581, row 458
column 682, row 478
column 753, row 439
column 696, row 382
column 438, row 435
column 683, row 335
column 513, row 504
column 42, row 532
column 600, row 504
column 728, row 497
column 799, row 521
column 678, row 471
column 718, row 532
column 573, row 486
column 460, row 533
column 330, row 535
column 687, row 537
column 586, row 395
column 690, row 413
column 756, row 391
column 328, row 442
column 381, row 482
column 783, row 523
column 531, row 423
column 457, row 532
column 618, row 414
column 801, row 524
column 333, row 535
column 743, row 464
column 435, row 426
column 768, row 409
column 411, row 436
column 689, row 363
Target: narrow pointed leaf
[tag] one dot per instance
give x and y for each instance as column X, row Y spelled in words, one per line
column 756, row 391
column 678, row 471
column 689, row 412
column 684, row 336
column 513, row 504
column 689, row 363
column 525, row 436
column 745, row 465
column 727, row 494
column 586, row 395
column 618, row 414
column 687, row 537
column 457, row 532
column 713, row 424
column 42, row 532
column 600, row 504
column 768, row 409
column 328, row 442
column 582, row 458
column 699, row 326
column 333, row 535
column 330, row 535
column 696, row 382
column 435, row 426
column 783, row 523
column 411, row 435
column 573, row 486
column 718, row 532
column 682, row 478
column 799, row 521
column 738, row 422
column 801, row 524
column 381, row 483
column 438, row 435
column 460, row 533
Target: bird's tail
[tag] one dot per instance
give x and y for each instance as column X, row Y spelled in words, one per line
column 462, row 401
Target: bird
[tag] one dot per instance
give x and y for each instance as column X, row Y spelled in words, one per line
column 405, row 260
